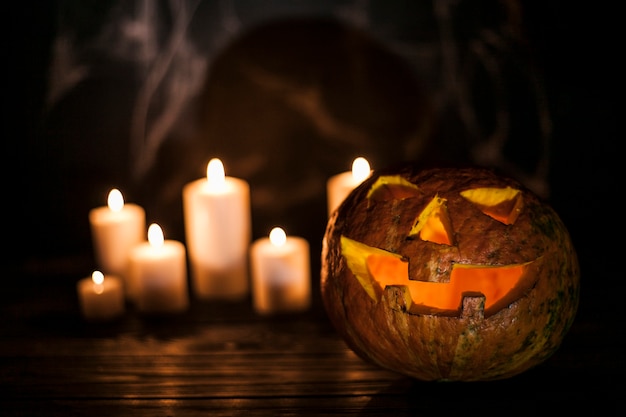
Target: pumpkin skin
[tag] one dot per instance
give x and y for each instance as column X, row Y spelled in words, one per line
column 385, row 324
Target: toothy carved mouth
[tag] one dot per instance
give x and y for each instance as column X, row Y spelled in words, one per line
column 377, row 269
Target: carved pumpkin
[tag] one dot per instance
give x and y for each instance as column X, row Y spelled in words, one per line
column 449, row 274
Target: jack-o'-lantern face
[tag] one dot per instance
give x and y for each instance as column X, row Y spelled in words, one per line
column 447, row 271
column 449, row 274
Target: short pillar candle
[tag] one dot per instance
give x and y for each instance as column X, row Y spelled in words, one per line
column 100, row 298
column 281, row 275
column 158, row 274
column 339, row 186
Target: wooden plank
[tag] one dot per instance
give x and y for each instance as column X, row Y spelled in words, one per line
column 222, row 359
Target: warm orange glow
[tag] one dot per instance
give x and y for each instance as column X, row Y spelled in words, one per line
column 433, row 231
column 491, row 281
column 392, row 187
column 433, row 223
column 502, row 204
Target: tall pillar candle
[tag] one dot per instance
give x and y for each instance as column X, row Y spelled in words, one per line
column 281, row 275
column 339, row 186
column 100, row 298
column 158, row 274
column 218, row 233
column 115, row 229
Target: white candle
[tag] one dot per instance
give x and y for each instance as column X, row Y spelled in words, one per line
column 281, row 275
column 100, row 299
column 339, row 186
column 115, row 229
column 218, row 233
column 158, row 274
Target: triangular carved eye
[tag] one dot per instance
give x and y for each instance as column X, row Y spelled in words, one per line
column 433, row 223
column 392, row 187
column 502, row 204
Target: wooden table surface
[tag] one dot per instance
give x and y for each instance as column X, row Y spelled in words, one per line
column 223, row 359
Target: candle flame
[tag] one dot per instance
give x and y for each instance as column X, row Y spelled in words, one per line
column 278, row 236
column 155, row 235
column 360, row 169
column 115, row 200
column 98, row 278
column 215, row 173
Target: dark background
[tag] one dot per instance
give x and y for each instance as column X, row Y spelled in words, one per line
column 101, row 95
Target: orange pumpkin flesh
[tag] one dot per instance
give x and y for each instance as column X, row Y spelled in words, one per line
column 448, row 274
column 493, row 282
column 496, row 283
